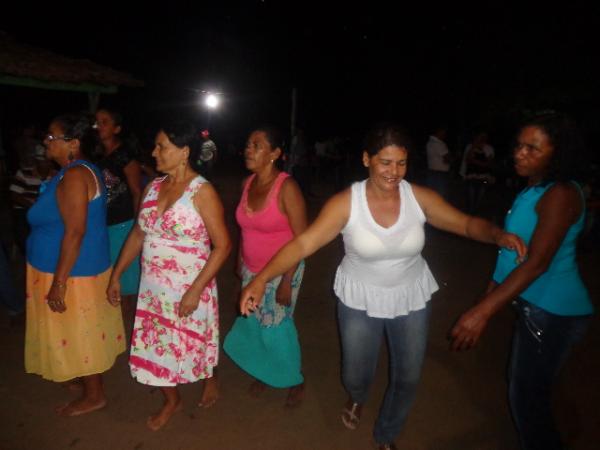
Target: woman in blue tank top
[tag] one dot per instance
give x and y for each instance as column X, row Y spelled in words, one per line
column 553, row 305
column 72, row 331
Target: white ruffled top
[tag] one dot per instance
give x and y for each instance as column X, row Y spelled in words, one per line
column 383, row 272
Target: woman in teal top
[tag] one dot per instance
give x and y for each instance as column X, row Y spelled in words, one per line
column 553, row 305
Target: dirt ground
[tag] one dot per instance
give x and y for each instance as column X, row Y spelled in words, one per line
column 460, row 405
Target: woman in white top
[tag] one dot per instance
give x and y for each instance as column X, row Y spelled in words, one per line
column 383, row 283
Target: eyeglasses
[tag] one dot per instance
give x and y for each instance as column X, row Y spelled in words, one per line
column 51, row 137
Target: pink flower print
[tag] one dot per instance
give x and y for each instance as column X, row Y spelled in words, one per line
column 171, row 264
column 147, row 324
column 205, row 297
column 156, row 305
column 150, row 337
column 176, row 351
column 160, row 350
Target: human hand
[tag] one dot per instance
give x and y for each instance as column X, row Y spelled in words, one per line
column 468, row 329
column 251, row 296
column 189, row 303
column 56, row 297
column 113, row 292
column 512, row 242
column 283, row 295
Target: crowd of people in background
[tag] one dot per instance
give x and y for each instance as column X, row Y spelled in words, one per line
column 104, row 231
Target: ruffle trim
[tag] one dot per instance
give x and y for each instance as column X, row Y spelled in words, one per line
column 383, row 302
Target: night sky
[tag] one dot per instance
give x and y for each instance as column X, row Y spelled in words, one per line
column 352, row 66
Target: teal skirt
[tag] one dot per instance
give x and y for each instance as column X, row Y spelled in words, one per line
column 265, row 344
column 130, row 279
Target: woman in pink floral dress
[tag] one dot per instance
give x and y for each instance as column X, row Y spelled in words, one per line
column 176, row 331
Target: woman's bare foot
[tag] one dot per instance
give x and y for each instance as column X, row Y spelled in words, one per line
column 74, row 385
column 295, row 396
column 80, row 406
column 257, row 388
column 157, row 421
column 210, row 393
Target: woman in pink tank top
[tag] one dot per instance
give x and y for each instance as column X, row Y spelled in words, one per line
column 270, row 213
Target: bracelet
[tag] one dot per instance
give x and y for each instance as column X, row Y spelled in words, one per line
column 58, row 284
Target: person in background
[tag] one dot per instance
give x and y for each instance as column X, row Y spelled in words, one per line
column 553, row 306
column 123, row 178
column 477, row 168
column 24, row 189
column 209, row 153
column 71, row 330
column 438, row 161
column 176, row 330
column 270, row 213
column 383, row 283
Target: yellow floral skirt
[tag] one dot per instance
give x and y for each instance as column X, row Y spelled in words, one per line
column 83, row 340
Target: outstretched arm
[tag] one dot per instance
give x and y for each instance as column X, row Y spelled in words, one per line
column 323, row 230
column 444, row 216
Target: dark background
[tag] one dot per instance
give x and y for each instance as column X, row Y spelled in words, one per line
column 468, row 66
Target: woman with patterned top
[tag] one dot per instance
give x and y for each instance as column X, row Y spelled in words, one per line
column 383, row 283
column 176, row 330
column 270, row 213
column 123, row 178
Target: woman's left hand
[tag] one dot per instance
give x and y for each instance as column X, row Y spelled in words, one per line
column 56, row 297
column 468, row 329
column 189, row 304
column 283, row 295
column 513, row 242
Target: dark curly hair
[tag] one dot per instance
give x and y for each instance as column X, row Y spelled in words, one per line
column 80, row 126
column 384, row 135
column 567, row 162
column 183, row 134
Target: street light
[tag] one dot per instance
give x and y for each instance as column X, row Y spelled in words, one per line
column 211, row 101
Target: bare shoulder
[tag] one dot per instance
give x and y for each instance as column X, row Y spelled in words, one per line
column 77, row 174
column 562, row 196
column 340, row 202
column 424, row 195
column 290, row 189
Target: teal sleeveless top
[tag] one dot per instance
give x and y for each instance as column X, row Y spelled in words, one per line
column 559, row 290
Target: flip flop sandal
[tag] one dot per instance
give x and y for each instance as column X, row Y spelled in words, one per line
column 351, row 416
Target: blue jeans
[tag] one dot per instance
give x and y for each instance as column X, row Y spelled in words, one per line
column 541, row 344
column 361, row 338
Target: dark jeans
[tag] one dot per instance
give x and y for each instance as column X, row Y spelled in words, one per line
column 541, row 344
column 361, row 337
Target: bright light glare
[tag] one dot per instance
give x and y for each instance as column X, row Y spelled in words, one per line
column 212, row 101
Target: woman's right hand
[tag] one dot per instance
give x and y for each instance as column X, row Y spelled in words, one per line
column 113, row 292
column 251, row 296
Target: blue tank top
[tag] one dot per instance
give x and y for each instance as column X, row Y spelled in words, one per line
column 47, row 230
column 559, row 290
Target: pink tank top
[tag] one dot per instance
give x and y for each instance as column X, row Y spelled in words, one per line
column 265, row 231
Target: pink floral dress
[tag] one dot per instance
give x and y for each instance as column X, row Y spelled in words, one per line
column 167, row 350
